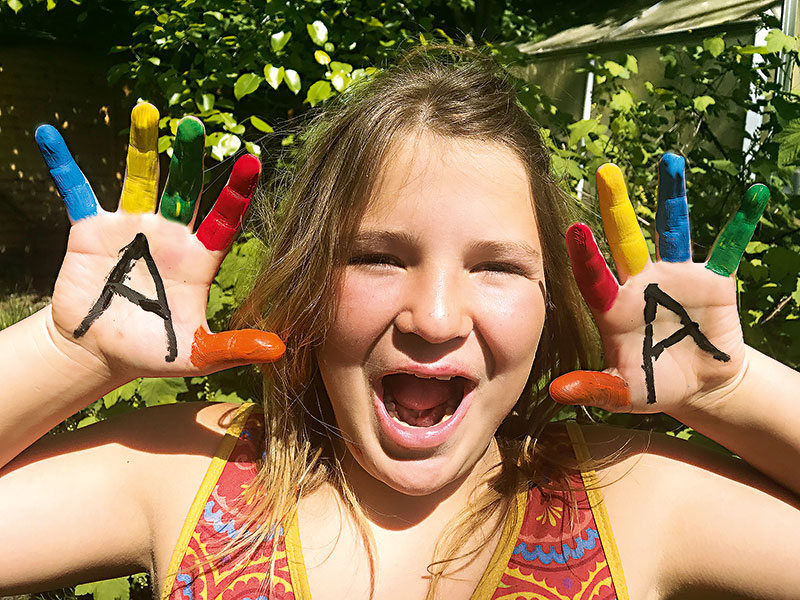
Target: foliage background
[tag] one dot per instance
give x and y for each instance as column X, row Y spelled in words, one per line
column 249, row 70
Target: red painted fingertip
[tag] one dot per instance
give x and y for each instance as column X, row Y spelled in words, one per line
column 595, row 280
column 244, row 175
column 591, row 388
column 229, row 348
column 219, row 228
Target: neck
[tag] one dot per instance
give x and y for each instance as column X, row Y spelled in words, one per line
column 389, row 509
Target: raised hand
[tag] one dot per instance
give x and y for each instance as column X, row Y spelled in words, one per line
column 134, row 283
column 670, row 328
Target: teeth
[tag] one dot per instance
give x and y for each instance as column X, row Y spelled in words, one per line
column 439, row 377
column 444, row 377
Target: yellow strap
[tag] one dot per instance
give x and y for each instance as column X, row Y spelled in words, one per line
column 598, row 507
column 502, row 553
column 294, row 559
column 209, row 481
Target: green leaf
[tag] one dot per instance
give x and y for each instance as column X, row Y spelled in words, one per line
column 14, row 5
column 616, row 69
column 322, row 57
column 220, row 396
column 205, row 102
column 756, row 247
column 227, row 145
column 340, row 67
column 789, row 144
column 317, row 32
column 340, row 81
column 110, row 589
column 246, row 84
column 253, row 148
column 777, row 41
column 161, row 391
column 279, row 40
column 260, row 124
column 273, row 76
column 714, row 46
column 319, row 91
column 622, row 101
column 292, row 80
column 725, row 166
column 701, row 103
column 87, row 421
column 581, row 129
column 125, row 392
column 631, row 63
column 164, row 143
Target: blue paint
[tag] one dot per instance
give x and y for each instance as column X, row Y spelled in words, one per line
column 672, row 214
column 70, row 181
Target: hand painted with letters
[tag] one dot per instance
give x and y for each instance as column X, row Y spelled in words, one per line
column 134, row 283
column 670, row 328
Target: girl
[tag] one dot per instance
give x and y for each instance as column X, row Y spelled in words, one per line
column 420, row 283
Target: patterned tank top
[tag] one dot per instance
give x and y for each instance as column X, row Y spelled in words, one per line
column 547, row 551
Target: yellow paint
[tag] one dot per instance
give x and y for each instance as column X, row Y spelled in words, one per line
column 624, row 237
column 140, row 190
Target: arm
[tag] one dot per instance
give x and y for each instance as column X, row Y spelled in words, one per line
column 129, row 301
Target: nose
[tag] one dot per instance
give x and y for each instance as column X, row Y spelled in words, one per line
column 435, row 307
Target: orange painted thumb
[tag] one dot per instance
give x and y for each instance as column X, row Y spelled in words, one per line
column 591, row 388
column 230, row 348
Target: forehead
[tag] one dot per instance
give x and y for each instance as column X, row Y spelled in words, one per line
column 461, row 182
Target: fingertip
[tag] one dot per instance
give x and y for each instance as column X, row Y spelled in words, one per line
column 245, row 174
column 190, row 129
column 144, row 126
column 51, row 145
column 610, row 182
column 755, row 201
column 591, row 388
column 580, row 240
column 671, row 178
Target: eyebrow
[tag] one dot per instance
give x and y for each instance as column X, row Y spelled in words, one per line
column 502, row 248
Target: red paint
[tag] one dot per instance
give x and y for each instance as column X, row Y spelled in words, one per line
column 592, row 388
column 595, row 280
column 218, row 229
column 231, row 348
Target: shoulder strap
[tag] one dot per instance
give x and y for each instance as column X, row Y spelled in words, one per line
column 603, row 523
column 218, row 463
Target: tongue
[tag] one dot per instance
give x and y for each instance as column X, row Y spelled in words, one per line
column 421, row 402
column 418, row 394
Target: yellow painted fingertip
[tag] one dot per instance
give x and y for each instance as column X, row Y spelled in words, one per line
column 624, row 237
column 140, row 191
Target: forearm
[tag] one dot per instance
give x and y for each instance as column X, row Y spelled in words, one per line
column 757, row 417
column 42, row 383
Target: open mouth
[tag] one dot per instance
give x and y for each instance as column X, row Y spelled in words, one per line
column 420, row 410
column 422, row 401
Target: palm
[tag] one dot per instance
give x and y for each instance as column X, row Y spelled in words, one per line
column 683, row 371
column 126, row 336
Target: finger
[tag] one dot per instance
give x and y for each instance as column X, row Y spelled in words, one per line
column 70, row 181
column 625, row 239
column 595, row 280
column 591, row 388
column 218, row 229
column 732, row 241
column 673, row 243
column 185, row 179
column 140, row 190
column 230, row 348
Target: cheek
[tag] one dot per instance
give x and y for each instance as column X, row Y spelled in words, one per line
column 364, row 311
column 512, row 324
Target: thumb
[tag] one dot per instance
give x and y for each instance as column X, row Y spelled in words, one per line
column 592, row 388
column 215, row 351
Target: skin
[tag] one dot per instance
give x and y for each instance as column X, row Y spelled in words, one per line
column 127, row 483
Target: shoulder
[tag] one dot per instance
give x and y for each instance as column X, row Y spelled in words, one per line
column 685, row 516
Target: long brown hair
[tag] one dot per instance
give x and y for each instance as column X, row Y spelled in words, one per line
column 454, row 93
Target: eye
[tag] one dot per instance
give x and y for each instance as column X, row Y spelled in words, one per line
column 500, row 268
column 375, row 259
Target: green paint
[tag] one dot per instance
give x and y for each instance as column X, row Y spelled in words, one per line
column 185, row 172
column 730, row 245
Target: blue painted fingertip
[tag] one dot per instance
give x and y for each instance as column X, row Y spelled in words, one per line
column 69, row 179
column 672, row 214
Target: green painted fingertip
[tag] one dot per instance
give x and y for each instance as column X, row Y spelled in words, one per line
column 185, row 172
column 732, row 241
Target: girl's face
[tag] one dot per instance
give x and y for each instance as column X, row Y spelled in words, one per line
column 439, row 313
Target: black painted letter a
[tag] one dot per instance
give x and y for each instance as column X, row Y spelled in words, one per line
column 137, row 249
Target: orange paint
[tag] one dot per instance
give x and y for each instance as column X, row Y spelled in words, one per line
column 243, row 346
column 592, row 388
